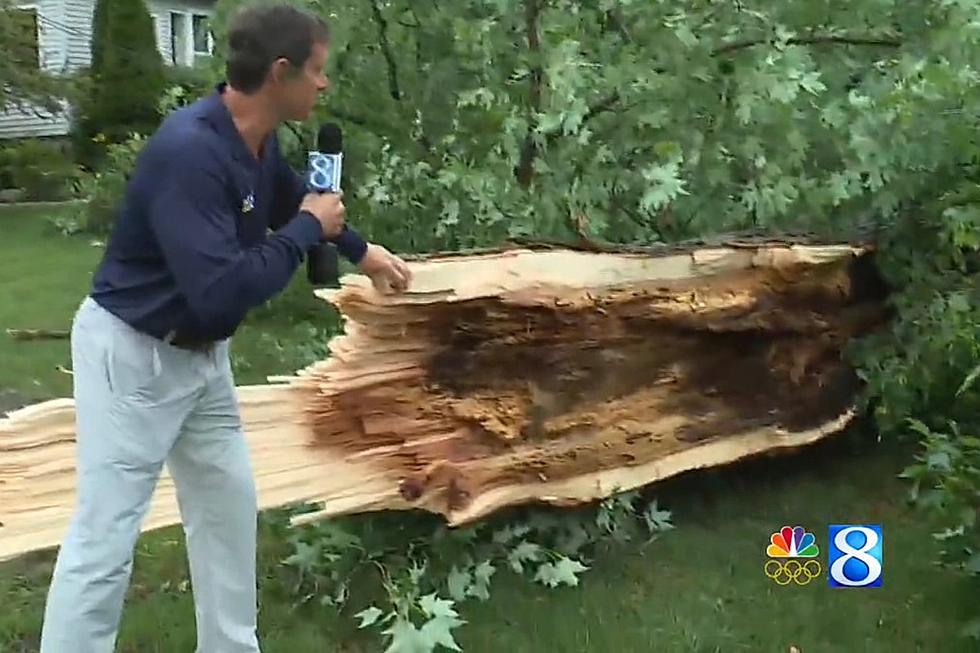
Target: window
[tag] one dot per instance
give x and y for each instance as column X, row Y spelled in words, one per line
column 190, row 38
column 202, row 34
column 23, row 44
column 178, row 38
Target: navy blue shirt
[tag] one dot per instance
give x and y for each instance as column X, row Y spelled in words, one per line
column 191, row 250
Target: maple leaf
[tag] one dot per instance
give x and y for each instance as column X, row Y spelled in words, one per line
column 368, row 616
column 557, row 573
column 481, row 580
column 524, row 552
column 459, row 583
column 406, row 638
column 442, row 619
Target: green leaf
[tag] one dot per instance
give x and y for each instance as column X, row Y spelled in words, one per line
column 481, row 580
column 524, row 552
column 604, row 519
column 784, row 91
column 437, row 632
column 657, row 520
column 939, row 460
column 406, row 638
column 433, row 606
column 969, row 380
column 459, row 583
column 417, row 571
column 510, row 532
column 368, row 616
column 685, row 35
column 744, row 105
column 665, row 185
column 562, row 572
column 305, row 557
column 442, row 619
column 812, row 84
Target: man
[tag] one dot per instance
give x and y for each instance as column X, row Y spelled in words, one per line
column 213, row 222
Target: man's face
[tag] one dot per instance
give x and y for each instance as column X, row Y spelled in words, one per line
column 297, row 90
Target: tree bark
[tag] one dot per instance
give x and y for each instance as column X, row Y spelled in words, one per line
column 530, row 374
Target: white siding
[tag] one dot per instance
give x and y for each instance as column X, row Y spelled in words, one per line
column 34, row 121
column 65, row 35
column 78, row 31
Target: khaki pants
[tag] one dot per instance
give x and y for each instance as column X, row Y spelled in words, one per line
column 141, row 403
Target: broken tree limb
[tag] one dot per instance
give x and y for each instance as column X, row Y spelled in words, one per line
column 524, row 375
column 38, row 334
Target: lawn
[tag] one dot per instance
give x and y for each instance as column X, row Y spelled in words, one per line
column 699, row 587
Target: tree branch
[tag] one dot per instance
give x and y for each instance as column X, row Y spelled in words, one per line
column 296, row 132
column 532, row 16
column 372, row 125
column 614, row 21
column 810, row 40
column 603, row 105
column 387, row 51
column 39, row 334
column 610, row 100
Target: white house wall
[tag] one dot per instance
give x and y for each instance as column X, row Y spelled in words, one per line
column 64, row 39
column 78, row 26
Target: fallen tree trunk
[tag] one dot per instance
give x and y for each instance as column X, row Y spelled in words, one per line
column 524, row 375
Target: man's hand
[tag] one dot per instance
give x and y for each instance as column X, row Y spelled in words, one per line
column 329, row 209
column 387, row 271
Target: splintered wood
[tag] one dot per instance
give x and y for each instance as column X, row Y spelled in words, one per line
column 525, row 375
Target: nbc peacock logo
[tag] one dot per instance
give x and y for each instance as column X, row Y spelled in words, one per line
column 792, row 555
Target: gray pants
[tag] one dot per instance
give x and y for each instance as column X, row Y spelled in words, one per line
column 139, row 403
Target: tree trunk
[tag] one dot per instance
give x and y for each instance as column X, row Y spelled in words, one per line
column 529, row 374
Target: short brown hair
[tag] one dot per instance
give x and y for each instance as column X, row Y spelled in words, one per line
column 261, row 34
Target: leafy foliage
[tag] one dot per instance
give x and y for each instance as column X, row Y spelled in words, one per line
column 434, row 570
column 922, row 374
column 42, row 169
column 103, row 187
column 472, row 122
column 125, row 64
column 632, row 121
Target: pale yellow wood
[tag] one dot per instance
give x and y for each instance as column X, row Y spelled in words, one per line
column 37, row 469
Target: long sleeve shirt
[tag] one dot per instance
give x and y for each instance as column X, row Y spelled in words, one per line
column 206, row 231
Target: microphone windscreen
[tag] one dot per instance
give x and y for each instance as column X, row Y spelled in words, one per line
column 330, row 139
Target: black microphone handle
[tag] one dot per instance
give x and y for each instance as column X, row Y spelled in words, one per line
column 323, row 261
column 323, row 265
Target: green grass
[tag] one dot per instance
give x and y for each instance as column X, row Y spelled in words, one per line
column 44, row 276
column 698, row 588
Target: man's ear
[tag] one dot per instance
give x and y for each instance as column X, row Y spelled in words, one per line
column 280, row 70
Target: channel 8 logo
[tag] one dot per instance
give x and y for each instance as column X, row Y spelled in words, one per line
column 323, row 172
column 854, row 555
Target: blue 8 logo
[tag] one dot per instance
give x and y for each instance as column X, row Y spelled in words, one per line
column 855, row 567
column 322, row 172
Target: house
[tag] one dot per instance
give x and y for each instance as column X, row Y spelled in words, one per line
column 63, row 31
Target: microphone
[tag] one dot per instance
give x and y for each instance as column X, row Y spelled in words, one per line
column 324, row 167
